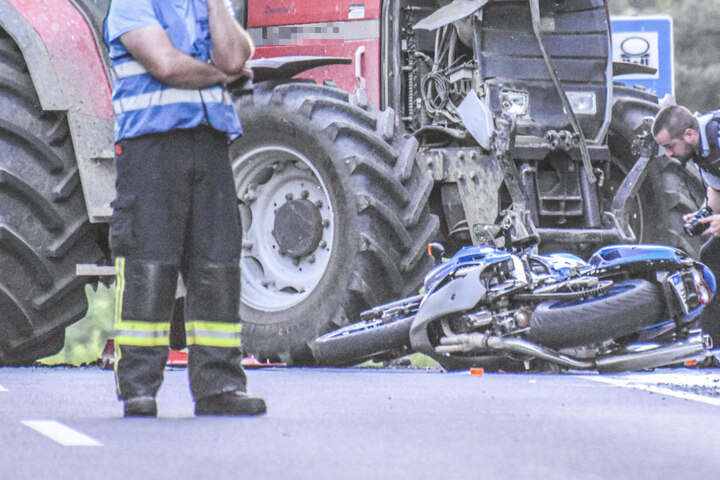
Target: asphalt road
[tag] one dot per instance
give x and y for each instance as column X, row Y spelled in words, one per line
column 65, row 423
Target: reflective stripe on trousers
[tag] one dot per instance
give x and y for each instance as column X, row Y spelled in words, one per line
column 213, row 334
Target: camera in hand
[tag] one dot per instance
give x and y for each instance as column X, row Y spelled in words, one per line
column 693, row 226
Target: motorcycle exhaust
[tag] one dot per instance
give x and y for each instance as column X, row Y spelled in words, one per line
column 694, row 347
column 473, row 342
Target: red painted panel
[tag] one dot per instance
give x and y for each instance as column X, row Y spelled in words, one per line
column 342, row 75
column 73, row 52
column 294, row 12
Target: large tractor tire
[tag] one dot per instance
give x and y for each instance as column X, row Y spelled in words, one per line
column 44, row 228
column 670, row 189
column 334, row 210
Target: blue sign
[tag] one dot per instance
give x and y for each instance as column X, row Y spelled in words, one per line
column 648, row 41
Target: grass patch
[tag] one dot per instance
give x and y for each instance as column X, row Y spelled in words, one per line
column 85, row 339
column 415, row 360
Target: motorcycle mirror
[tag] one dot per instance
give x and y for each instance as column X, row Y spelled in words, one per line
column 436, row 250
column 487, row 233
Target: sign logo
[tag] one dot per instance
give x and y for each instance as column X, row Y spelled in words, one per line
column 635, row 50
column 637, row 47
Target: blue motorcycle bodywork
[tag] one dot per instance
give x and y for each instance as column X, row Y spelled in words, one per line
column 482, row 302
column 619, row 257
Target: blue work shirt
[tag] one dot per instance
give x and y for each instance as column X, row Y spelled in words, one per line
column 143, row 105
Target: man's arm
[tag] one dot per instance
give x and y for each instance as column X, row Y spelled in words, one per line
column 231, row 45
column 153, row 49
column 713, row 201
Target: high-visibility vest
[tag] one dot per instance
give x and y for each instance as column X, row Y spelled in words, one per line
column 143, row 105
column 709, row 157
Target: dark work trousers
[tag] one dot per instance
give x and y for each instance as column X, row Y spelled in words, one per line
column 710, row 317
column 176, row 211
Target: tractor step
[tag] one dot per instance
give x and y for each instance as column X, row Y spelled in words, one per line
column 91, row 270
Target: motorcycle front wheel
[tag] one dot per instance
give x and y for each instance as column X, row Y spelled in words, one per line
column 383, row 334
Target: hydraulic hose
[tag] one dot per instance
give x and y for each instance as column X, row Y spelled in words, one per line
column 535, row 14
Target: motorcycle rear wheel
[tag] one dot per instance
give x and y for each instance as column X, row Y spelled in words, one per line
column 628, row 307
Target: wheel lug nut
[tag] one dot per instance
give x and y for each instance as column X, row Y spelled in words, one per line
column 311, row 259
column 326, row 223
column 247, row 245
column 322, row 244
column 289, row 197
column 304, row 194
column 319, row 204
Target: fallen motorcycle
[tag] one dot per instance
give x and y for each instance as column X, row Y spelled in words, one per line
column 629, row 307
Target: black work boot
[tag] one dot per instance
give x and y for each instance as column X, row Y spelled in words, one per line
column 230, row 403
column 140, row 407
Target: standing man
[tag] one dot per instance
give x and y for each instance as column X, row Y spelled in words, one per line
column 175, row 208
column 686, row 137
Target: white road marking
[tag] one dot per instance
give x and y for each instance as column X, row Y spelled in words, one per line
column 655, row 383
column 62, row 434
column 3, row 389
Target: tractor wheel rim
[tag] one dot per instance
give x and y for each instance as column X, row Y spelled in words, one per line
column 266, row 180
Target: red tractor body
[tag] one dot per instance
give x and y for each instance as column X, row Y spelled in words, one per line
column 334, row 29
column 73, row 49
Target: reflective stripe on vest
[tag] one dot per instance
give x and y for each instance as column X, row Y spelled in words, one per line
column 170, row 96
column 213, row 334
column 129, row 69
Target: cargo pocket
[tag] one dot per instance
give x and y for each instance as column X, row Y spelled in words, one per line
column 122, row 235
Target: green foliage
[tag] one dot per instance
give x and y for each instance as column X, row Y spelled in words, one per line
column 84, row 340
column 696, row 36
column 420, row 360
column 415, row 360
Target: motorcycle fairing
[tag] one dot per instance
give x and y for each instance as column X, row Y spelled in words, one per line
column 466, row 290
column 460, row 295
column 613, row 256
column 466, row 256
